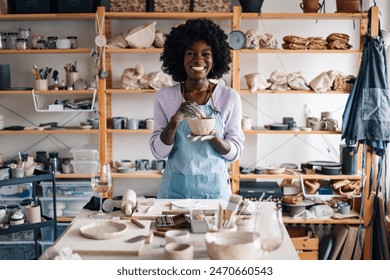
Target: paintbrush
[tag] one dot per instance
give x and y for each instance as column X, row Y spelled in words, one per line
column 231, row 209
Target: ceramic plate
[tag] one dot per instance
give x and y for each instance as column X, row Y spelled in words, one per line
column 278, row 126
column 236, row 39
column 103, row 230
column 275, row 170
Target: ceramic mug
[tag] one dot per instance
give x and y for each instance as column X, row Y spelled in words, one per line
column 119, row 122
column 179, row 251
column 132, row 124
column 158, row 164
column 149, row 123
column 142, row 164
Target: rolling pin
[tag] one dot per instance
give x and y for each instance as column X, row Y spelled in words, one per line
column 129, row 201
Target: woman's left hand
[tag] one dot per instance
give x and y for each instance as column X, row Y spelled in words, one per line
column 193, row 138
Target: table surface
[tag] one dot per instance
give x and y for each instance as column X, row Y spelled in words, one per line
column 155, row 249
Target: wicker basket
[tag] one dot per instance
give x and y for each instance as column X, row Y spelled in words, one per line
column 343, row 83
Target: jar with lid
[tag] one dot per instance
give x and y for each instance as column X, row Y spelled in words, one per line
column 51, row 42
column 25, row 33
column 54, row 162
column 41, row 44
column 34, row 41
column 11, row 209
column 2, row 40
column 73, row 42
column 21, row 44
column 3, row 215
column 11, row 40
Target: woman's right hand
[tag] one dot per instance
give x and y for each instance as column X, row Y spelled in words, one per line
column 189, row 109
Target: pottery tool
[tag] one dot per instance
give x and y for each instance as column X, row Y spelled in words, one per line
column 159, row 233
column 231, row 209
column 220, row 217
column 137, row 223
column 129, row 202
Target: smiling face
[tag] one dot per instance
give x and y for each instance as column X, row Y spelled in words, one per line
column 198, row 60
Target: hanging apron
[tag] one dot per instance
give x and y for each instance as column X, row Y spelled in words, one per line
column 195, row 170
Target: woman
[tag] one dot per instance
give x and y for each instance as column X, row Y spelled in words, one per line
column 195, row 52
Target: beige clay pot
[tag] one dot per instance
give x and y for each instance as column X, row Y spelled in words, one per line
column 201, row 126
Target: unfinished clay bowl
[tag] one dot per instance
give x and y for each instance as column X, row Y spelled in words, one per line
column 201, row 126
column 227, row 245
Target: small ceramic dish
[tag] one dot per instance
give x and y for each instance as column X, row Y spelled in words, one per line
column 275, row 169
column 85, row 126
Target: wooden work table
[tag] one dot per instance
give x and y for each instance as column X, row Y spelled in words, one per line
column 115, row 248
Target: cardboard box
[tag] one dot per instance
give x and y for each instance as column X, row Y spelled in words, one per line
column 305, row 242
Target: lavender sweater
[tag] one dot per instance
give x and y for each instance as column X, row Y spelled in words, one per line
column 226, row 100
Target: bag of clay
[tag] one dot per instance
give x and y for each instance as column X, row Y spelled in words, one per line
column 278, row 80
column 256, row 81
column 295, row 80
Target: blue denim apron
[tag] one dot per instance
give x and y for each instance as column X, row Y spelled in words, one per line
column 195, row 170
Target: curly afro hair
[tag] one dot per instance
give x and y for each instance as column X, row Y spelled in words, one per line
column 182, row 36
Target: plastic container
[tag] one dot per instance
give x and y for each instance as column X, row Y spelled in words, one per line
column 80, row 154
column 74, row 188
column 47, row 233
column 66, row 206
column 17, row 191
column 83, row 167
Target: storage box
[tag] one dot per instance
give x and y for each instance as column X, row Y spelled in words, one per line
column 305, row 242
column 172, row 6
column 30, row 6
column 84, row 154
column 66, row 206
column 213, row 6
column 128, row 5
column 23, row 250
column 83, row 167
column 16, row 191
column 68, row 188
column 47, row 233
column 76, row 6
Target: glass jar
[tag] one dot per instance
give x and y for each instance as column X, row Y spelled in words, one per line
column 11, row 209
column 34, row 41
column 51, row 42
column 2, row 40
column 21, row 44
column 73, row 42
column 25, row 33
column 41, row 44
column 11, row 40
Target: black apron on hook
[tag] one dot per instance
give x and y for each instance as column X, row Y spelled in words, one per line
column 366, row 118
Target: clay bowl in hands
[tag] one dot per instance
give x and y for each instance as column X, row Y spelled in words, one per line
column 201, row 126
column 228, row 245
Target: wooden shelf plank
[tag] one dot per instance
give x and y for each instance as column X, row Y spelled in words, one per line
column 55, row 131
column 304, row 176
column 301, row 16
column 128, row 50
column 51, row 17
column 290, row 220
column 291, row 91
column 284, row 51
column 167, row 16
column 129, row 131
column 268, row 131
column 48, row 51
column 131, row 91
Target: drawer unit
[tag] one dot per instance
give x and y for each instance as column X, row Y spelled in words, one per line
column 66, row 206
column 305, row 242
column 68, row 188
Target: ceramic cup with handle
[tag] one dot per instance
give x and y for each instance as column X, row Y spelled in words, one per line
column 142, row 164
